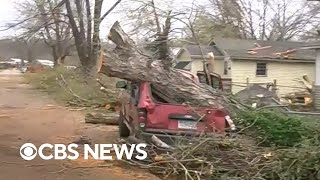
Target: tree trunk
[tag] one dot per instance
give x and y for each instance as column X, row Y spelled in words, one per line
column 77, row 36
column 96, row 33
column 55, row 55
column 128, row 62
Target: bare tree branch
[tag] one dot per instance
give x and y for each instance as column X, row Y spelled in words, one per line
column 110, row 10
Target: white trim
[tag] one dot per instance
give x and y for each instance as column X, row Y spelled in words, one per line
column 317, row 80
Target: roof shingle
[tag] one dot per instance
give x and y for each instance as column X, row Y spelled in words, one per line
column 195, row 50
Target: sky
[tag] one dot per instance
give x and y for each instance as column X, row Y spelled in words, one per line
column 8, row 13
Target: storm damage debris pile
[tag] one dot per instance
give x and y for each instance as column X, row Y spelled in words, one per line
column 129, row 62
column 207, row 158
column 261, row 149
column 302, row 98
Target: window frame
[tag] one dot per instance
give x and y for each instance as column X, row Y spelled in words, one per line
column 261, row 69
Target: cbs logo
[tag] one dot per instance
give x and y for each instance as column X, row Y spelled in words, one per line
column 28, row 151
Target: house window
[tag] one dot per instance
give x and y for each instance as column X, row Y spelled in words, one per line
column 261, row 69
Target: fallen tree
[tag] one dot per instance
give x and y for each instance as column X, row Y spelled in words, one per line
column 129, row 62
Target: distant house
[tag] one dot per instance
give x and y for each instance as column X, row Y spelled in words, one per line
column 245, row 62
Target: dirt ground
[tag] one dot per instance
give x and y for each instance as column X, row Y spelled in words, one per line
column 27, row 115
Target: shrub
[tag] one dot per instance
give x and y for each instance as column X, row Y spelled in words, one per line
column 274, row 128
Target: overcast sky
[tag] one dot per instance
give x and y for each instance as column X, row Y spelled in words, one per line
column 8, row 12
column 7, row 15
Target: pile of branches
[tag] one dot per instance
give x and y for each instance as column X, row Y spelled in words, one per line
column 228, row 157
column 209, row 158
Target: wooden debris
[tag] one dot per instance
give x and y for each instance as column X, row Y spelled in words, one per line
column 260, row 48
column 299, row 98
column 211, row 62
column 257, row 45
column 102, row 118
column 252, row 52
column 307, row 82
column 160, row 143
column 285, row 53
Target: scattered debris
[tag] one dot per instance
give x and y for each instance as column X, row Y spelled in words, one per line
column 260, row 48
column 207, row 157
column 301, row 98
column 256, row 94
column 285, row 53
column 307, row 82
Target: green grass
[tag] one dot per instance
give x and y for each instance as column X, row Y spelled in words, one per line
column 87, row 89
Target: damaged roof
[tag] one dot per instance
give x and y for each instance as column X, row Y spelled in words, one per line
column 240, row 49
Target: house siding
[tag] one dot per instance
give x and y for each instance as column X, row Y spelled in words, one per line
column 219, row 68
column 184, row 56
column 284, row 72
column 197, row 64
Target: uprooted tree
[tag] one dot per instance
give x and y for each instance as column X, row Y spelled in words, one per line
column 129, row 62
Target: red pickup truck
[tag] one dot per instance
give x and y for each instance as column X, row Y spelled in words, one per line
column 143, row 111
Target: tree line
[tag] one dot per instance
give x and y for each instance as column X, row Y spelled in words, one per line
column 67, row 25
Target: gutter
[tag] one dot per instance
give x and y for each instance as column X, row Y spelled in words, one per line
column 274, row 59
column 207, row 57
column 257, row 59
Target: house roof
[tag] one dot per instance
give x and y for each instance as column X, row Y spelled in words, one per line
column 196, row 50
column 312, row 45
column 239, row 48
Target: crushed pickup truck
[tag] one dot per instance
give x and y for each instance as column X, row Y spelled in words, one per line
column 145, row 110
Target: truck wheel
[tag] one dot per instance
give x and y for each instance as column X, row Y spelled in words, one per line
column 123, row 129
